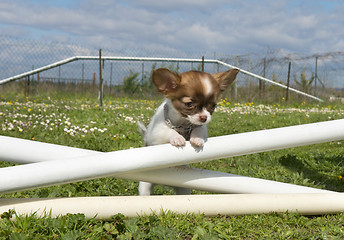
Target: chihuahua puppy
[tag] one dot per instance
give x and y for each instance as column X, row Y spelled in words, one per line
column 191, row 98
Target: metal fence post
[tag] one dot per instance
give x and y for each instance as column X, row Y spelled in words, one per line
column 83, row 77
column 110, row 86
column 261, row 87
column 316, row 76
column 142, row 72
column 27, row 86
column 100, row 78
column 288, row 82
column 59, row 75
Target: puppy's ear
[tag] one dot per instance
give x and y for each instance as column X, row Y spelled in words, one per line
column 165, row 80
column 225, row 79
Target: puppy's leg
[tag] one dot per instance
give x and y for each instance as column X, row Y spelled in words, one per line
column 161, row 134
column 198, row 136
column 145, row 188
column 176, row 139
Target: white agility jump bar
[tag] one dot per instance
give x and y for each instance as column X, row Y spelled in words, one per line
column 210, row 205
column 180, row 176
column 60, row 171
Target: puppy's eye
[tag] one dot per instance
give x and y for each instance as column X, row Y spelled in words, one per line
column 189, row 105
column 212, row 106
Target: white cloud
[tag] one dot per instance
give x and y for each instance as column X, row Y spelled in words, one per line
column 228, row 26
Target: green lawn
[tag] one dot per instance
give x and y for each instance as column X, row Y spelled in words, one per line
column 82, row 123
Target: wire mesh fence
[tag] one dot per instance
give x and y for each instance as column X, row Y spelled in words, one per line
column 321, row 75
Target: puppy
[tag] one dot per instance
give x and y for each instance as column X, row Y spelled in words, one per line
column 191, row 99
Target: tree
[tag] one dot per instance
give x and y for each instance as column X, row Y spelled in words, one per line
column 130, row 82
column 304, row 84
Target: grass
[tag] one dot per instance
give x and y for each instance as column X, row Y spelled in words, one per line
column 82, row 123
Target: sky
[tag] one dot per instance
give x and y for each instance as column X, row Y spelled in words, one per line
column 227, row 26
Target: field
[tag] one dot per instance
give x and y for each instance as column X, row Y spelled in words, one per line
column 81, row 122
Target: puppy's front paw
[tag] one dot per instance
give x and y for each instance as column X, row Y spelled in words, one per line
column 178, row 141
column 197, row 142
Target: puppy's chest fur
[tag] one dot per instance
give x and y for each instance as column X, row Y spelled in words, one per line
column 166, row 122
column 183, row 127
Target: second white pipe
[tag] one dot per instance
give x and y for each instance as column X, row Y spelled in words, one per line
column 162, row 156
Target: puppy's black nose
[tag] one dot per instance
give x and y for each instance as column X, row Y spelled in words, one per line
column 202, row 119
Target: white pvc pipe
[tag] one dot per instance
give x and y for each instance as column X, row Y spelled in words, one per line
column 210, row 205
column 217, row 182
column 24, row 151
column 162, row 156
column 174, row 176
column 25, row 74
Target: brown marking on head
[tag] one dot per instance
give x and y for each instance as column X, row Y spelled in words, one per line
column 192, row 92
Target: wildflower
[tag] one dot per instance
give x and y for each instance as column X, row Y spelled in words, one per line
column 130, row 119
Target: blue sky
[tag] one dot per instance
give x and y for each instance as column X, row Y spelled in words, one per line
column 228, row 26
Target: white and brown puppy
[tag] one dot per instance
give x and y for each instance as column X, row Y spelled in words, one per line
column 191, row 99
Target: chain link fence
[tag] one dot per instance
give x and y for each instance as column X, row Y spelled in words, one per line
column 321, row 75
